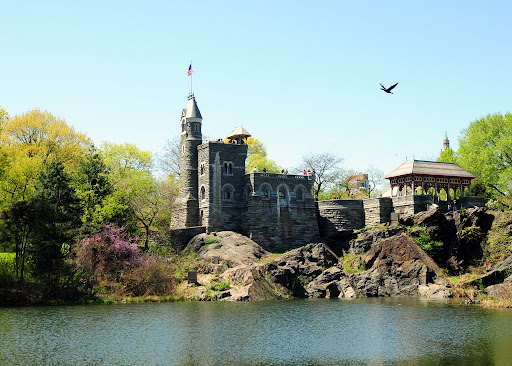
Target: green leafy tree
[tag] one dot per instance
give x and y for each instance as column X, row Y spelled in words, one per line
column 448, row 156
column 29, row 143
column 58, row 218
column 486, row 151
column 257, row 157
column 92, row 187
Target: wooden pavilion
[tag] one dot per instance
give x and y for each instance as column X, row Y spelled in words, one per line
column 427, row 174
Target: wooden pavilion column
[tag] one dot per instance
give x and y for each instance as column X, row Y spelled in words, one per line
column 413, row 186
column 461, row 190
column 448, row 198
column 422, row 186
column 436, row 195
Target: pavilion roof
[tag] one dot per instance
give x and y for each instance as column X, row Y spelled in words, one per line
column 434, row 168
column 238, row 133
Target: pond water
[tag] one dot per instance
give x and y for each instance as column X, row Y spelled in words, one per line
column 399, row 331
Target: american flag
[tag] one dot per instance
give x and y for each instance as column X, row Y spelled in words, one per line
column 190, row 71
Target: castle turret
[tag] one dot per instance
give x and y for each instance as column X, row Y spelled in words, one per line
column 186, row 208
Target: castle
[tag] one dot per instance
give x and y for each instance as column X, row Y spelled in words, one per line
column 275, row 210
column 278, row 211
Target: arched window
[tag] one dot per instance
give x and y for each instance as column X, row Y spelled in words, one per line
column 203, row 193
column 265, row 191
column 283, row 194
column 299, row 194
column 228, row 192
column 202, row 168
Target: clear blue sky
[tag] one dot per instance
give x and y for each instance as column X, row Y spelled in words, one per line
column 300, row 76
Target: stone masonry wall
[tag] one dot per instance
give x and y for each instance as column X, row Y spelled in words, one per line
column 339, row 215
column 221, row 167
column 279, row 211
column 410, row 205
column 377, row 211
column 180, row 237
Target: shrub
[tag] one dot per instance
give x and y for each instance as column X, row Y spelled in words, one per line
column 7, row 273
column 220, row 286
column 352, row 263
column 110, row 251
column 499, row 238
column 423, row 239
column 153, row 277
column 211, row 239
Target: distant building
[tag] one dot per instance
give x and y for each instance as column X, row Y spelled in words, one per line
column 358, row 183
column 446, row 143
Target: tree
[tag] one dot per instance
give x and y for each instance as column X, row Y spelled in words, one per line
column 257, row 157
column 326, row 167
column 130, row 179
column 486, row 151
column 19, row 219
column 58, row 219
column 448, row 156
column 92, row 187
column 375, row 179
column 29, row 143
column 42, row 225
column 169, row 163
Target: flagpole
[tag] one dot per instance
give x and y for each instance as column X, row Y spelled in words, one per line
column 191, row 90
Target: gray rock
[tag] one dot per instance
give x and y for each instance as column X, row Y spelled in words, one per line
column 231, row 250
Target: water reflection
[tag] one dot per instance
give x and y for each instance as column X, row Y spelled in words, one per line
column 309, row 332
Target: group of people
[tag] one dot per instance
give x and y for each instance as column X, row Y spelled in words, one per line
column 238, row 142
column 284, row 171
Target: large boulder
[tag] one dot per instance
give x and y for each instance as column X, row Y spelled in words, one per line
column 367, row 239
column 251, row 284
column 397, row 267
column 332, row 283
column 226, row 249
column 296, row 268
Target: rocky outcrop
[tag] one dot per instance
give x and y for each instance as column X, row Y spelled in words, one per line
column 296, row 268
column 461, row 233
column 226, row 250
column 396, row 266
column 367, row 239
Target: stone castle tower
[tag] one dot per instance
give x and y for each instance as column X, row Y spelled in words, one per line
column 186, row 209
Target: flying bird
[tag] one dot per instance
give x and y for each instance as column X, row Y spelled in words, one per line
column 388, row 90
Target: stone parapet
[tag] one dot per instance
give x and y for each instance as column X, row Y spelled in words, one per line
column 410, row 205
column 377, row 211
column 339, row 215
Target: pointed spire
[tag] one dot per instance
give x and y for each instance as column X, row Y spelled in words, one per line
column 191, row 110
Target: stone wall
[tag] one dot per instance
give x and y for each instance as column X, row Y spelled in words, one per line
column 472, row 201
column 180, row 237
column 339, row 215
column 377, row 211
column 221, row 169
column 410, row 205
column 279, row 211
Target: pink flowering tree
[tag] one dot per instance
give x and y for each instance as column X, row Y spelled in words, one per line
column 112, row 265
column 109, row 252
